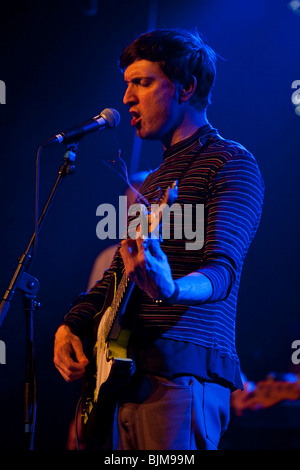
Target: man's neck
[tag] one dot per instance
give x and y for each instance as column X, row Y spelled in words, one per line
column 191, row 122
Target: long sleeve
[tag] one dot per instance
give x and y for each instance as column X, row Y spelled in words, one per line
column 234, row 209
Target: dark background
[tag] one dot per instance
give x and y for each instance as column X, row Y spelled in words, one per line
column 58, row 60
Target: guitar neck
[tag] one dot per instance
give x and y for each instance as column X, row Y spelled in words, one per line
column 118, row 306
column 121, row 291
column 119, row 303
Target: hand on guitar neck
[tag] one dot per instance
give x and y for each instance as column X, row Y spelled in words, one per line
column 145, row 263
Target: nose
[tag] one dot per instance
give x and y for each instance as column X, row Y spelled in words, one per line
column 130, row 97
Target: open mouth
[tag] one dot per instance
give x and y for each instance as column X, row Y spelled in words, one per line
column 136, row 119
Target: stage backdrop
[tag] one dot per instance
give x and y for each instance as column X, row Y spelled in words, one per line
column 58, row 68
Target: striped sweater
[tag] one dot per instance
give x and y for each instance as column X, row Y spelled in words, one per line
column 200, row 339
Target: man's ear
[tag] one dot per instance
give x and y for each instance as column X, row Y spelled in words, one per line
column 187, row 91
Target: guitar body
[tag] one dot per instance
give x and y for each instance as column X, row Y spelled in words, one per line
column 108, row 371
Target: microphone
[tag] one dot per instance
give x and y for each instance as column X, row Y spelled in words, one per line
column 108, row 118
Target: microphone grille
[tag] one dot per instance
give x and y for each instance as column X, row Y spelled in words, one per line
column 111, row 116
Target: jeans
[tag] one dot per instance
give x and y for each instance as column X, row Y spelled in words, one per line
column 155, row 413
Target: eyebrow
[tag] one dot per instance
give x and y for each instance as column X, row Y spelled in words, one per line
column 138, row 78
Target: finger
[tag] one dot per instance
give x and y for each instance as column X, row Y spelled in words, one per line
column 66, row 365
column 128, row 247
column 128, row 256
column 80, row 356
column 69, row 369
column 142, row 245
column 68, row 374
column 155, row 249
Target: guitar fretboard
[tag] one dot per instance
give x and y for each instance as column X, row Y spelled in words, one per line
column 115, row 305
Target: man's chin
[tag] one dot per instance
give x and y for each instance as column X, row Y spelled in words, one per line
column 141, row 134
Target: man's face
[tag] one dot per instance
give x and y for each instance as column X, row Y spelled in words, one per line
column 153, row 100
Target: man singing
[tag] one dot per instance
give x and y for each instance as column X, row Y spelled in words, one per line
column 182, row 310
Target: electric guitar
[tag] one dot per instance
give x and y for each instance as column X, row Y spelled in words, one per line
column 264, row 394
column 110, row 368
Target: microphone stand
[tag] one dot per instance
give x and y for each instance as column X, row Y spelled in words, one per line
column 29, row 285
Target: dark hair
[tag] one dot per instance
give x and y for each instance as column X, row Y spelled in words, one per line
column 181, row 54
